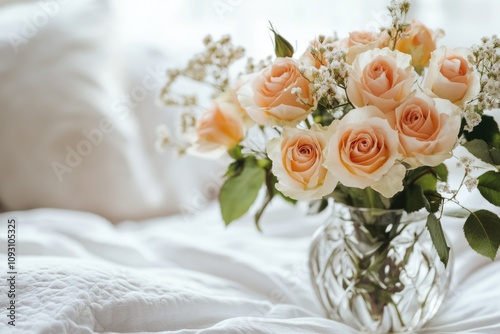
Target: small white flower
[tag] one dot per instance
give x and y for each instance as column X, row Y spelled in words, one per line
column 471, row 183
column 465, row 162
column 163, row 138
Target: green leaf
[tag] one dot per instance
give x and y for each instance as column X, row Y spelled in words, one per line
column 340, row 195
column 495, row 156
column 414, row 198
column 236, row 153
column 357, row 197
column 434, row 200
column 235, row 168
column 438, row 239
column 240, row 191
column 282, row 48
column 489, row 186
column 441, row 172
column 271, row 181
column 264, row 163
column 482, row 232
column 366, row 198
column 487, row 130
column 321, row 115
column 479, row 148
column 427, row 177
column 427, row 181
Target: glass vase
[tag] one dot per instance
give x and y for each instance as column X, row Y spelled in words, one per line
column 377, row 270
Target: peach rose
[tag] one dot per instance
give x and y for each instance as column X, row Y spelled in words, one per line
column 419, row 44
column 230, row 96
column 267, row 95
column 380, row 77
column 364, row 152
column 308, row 59
column 428, row 129
column 361, row 41
column 450, row 76
column 218, row 129
column 298, row 159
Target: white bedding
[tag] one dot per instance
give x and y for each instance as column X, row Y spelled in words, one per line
column 77, row 273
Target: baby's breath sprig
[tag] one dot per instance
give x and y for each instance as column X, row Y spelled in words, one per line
column 209, row 67
column 321, row 46
column 184, row 100
column 398, row 9
column 164, row 140
column 253, row 67
column 329, row 83
column 337, row 66
column 328, row 78
column 485, row 57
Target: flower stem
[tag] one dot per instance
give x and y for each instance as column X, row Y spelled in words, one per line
column 371, row 197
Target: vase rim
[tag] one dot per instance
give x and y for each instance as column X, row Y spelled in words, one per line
column 361, row 208
column 405, row 217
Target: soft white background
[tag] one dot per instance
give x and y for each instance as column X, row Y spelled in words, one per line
column 179, row 26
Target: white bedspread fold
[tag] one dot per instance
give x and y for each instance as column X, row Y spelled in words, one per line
column 77, row 273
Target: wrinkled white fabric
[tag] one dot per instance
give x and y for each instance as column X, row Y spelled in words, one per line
column 77, row 273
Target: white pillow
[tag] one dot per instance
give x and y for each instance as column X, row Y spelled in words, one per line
column 191, row 181
column 67, row 139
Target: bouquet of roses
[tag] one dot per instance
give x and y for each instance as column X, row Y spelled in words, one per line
column 367, row 120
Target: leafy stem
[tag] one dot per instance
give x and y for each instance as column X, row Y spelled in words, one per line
column 270, row 191
column 371, row 197
column 416, row 178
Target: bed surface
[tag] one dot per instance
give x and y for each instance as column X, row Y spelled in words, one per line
column 78, row 273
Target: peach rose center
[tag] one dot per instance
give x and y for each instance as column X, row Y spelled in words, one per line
column 301, row 159
column 363, row 148
column 379, row 76
column 363, row 38
column 274, row 87
column 455, row 69
column 420, row 122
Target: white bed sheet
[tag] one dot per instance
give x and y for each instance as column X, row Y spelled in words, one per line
column 77, row 273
